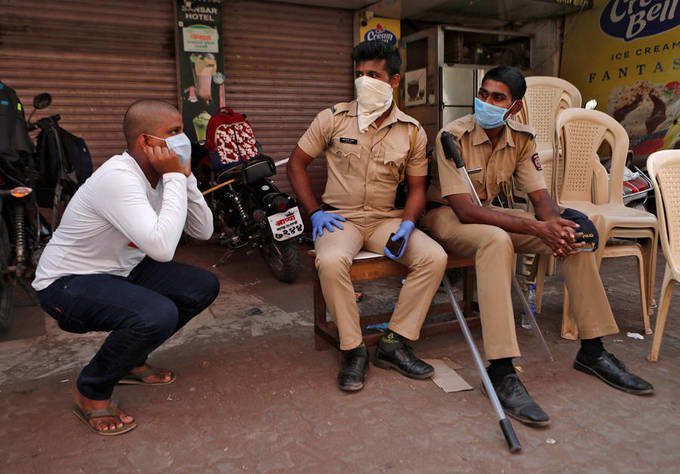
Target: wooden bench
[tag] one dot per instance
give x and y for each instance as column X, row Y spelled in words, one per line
column 368, row 266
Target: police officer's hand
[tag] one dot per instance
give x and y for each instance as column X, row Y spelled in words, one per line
column 321, row 219
column 165, row 161
column 403, row 232
column 560, row 235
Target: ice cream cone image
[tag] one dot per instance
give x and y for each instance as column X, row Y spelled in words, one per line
column 204, row 68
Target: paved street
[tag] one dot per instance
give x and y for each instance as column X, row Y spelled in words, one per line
column 253, row 395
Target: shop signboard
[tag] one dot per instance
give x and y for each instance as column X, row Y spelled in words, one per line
column 626, row 55
column 200, row 63
column 382, row 29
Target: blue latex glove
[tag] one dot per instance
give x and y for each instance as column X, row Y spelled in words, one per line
column 321, row 219
column 404, row 231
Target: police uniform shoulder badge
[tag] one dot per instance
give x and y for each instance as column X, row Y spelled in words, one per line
column 537, row 162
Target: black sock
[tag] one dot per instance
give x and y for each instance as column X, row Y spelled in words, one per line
column 390, row 341
column 499, row 368
column 592, row 347
column 361, row 348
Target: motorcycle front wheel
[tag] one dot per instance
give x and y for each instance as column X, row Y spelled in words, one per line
column 6, row 291
column 282, row 258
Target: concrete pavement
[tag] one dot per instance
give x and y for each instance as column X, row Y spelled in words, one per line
column 253, row 395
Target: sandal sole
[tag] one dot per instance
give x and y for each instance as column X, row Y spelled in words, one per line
column 126, row 381
column 126, row 428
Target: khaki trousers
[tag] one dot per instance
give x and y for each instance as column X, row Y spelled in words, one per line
column 493, row 250
column 424, row 258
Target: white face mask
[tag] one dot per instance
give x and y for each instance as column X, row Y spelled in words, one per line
column 180, row 144
column 374, row 98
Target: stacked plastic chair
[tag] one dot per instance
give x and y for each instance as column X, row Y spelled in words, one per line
column 585, row 186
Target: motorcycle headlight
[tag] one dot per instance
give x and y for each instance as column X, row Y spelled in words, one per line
column 20, row 192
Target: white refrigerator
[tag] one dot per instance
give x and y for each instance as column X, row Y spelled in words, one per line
column 459, row 86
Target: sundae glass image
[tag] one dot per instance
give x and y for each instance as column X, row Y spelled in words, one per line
column 204, row 66
column 645, row 108
column 200, row 125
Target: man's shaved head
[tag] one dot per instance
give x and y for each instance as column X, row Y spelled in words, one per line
column 145, row 116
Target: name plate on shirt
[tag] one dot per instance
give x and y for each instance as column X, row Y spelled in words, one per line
column 286, row 225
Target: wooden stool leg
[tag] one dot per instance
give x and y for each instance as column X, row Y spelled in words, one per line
column 319, row 315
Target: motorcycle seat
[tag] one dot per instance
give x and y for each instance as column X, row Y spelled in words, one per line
column 233, row 172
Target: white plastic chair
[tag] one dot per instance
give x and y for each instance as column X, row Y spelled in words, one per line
column 584, row 186
column 545, row 98
column 664, row 170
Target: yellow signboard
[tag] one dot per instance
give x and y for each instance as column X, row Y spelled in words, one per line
column 626, row 55
column 381, row 29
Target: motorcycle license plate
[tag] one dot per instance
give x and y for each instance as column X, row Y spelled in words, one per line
column 287, row 224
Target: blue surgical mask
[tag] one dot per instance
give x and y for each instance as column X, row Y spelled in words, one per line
column 488, row 115
column 180, row 144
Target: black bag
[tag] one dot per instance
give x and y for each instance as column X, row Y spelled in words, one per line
column 77, row 162
column 14, row 139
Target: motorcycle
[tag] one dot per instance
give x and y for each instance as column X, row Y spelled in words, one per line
column 249, row 211
column 23, row 230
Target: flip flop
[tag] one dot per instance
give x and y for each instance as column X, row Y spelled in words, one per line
column 138, row 378
column 110, row 411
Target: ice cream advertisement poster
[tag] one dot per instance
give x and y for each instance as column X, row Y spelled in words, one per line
column 200, row 63
column 626, row 55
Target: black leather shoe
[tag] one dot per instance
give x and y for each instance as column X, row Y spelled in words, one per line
column 353, row 371
column 402, row 359
column 517, row 403
column 610, row 370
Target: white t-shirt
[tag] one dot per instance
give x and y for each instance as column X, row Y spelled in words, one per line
column 116, row 218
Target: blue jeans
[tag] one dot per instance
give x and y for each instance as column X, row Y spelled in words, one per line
column 141, row 311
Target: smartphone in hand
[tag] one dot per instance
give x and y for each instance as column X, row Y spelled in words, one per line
column 395, row 247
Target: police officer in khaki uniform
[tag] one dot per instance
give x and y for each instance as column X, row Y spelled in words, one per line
column 370, row 145
column 502, row 149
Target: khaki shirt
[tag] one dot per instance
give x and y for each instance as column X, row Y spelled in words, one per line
column 497, row 165
column 364, row 168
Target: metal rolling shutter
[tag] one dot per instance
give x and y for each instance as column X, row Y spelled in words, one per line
column 283, row 64
column 94, row 57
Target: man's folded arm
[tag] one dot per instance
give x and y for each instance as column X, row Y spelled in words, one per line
column 122, row 201
column 469, row 213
